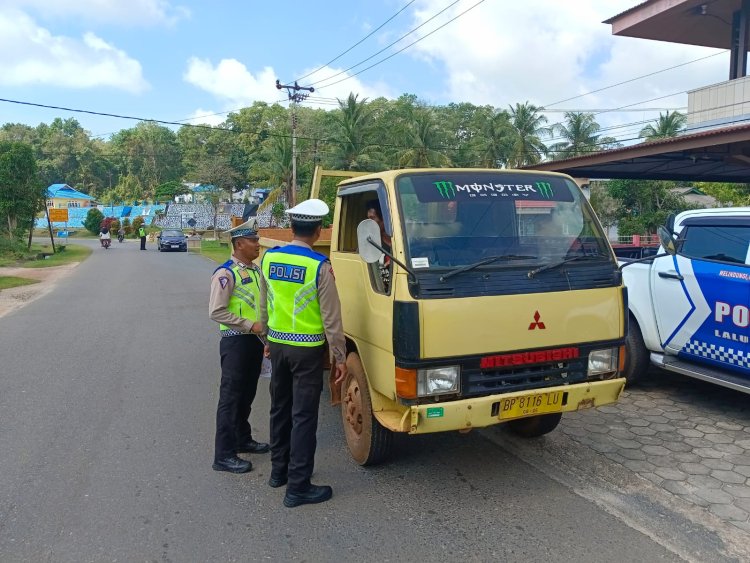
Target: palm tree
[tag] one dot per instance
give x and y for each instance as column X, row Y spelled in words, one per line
column 527, row 129
column 497, row 137
column 668, row 125
column 580, row 134
column 423, row 138
column 352, row 149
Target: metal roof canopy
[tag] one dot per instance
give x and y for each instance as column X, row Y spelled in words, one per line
column 706, row 23
column 719, row 155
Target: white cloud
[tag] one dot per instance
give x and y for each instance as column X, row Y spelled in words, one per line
column 130, row 12
column 30, row 54
column 206, row 117
column 235, row 86
column 544, row 51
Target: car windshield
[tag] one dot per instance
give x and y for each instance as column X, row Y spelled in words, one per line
column 456, row 219
column 171, row 233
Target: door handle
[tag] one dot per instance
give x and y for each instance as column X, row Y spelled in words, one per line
column 670, row 276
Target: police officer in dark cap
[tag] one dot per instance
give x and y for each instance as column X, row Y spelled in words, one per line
column 236, row 287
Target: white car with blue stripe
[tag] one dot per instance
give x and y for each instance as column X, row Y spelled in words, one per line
column 690, row 311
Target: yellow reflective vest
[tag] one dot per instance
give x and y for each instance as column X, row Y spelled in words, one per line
column 294, row 317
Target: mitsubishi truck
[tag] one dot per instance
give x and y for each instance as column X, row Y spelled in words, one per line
column 689, row 304
column 471, row 298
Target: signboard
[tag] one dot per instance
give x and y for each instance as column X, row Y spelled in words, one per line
column 58, row 215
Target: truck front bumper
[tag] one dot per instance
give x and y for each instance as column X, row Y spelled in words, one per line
column 479, row 412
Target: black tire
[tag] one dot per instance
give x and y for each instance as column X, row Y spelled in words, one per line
column 368, row 441
column 535, row 426
column 637, row 357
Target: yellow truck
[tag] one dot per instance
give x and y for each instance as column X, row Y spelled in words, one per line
column 472, row 298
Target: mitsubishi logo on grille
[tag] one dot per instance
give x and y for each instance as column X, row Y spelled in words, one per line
column 537, row 323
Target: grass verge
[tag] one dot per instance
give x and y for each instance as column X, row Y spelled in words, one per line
column 6, row 282
column 212, row 249
column 72, row 253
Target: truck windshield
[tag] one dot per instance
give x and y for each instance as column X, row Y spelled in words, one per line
column 458, row 219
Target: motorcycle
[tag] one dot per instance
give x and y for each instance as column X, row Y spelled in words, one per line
column 106, row 242
column 120, row 237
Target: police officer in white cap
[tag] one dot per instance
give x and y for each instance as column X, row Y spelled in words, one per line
column 303, row 311
column 236, row 288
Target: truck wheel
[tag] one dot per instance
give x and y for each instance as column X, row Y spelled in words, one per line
column 535, row 426
column 636, row 354
column 368, row 441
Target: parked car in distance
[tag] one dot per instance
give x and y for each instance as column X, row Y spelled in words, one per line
column 172, row 239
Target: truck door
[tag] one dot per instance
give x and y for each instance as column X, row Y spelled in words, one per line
column 701, row 295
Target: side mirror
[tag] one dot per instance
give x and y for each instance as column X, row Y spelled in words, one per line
column 368, row 232
column 667, row 240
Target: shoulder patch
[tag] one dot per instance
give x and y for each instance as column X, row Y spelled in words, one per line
column 223, row 281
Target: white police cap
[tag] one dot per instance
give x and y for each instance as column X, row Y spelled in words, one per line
column 247, row 229
column 309, row 211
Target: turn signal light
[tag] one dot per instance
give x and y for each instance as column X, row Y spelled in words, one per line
column 621, row 363
column 406, row 383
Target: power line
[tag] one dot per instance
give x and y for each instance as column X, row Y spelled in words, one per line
column 391, row 44
column 636, row 78
column 404, row 48
column 337, row 57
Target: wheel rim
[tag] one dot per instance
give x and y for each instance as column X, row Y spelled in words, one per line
column 353, row 407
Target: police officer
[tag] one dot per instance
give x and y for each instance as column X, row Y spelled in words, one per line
column 234, row 304
column 303, row 310
column 142, row 234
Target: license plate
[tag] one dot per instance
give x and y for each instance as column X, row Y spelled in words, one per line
column 175, row 246
column 525, row 405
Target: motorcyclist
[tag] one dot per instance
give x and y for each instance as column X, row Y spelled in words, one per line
column 104, row 237
column 121, row 234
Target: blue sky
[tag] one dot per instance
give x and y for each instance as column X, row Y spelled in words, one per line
column 173, row 60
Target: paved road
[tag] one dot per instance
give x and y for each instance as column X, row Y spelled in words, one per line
column 108, row 388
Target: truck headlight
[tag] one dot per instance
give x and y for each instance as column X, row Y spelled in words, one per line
column 602, row 361
column 437, row 381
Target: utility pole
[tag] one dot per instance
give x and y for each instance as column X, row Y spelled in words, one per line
column 296, row 94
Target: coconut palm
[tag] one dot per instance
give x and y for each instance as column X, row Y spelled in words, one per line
column 580, row 134
column 423, row 139
column 352, row 150
column 527, row 130
column 668, row 125
column 496, row 135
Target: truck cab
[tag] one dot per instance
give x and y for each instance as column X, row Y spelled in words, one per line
column 477, row 297
column 689, row 305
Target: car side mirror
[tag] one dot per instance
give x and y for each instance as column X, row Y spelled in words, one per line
column 667, row 240
column 368, row 235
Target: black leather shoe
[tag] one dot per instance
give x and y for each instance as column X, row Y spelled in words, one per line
column 313, row 495
column 232, row 464
column 253, row 447
column 277, row 481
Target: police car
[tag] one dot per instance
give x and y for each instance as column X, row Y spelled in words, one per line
column 690, row 305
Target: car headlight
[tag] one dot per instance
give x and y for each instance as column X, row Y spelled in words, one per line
column 437, row 381
column 602, row 361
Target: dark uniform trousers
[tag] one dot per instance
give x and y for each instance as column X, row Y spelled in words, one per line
column 296, row 384
column 241, row 359
column 143, row 243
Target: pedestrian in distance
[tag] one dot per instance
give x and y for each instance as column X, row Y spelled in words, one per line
column 142, row 235
column 234, row 303
column 302, row 309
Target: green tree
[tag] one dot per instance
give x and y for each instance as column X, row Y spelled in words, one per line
column 495, row 146
column 423, row 139
column 645, row 204
column 168, row 190
column 21, row 192
column 669, row 124
column 580, row 134
column 93, row 220
column 352, row 146
column 726, row 194
column 527, row 130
